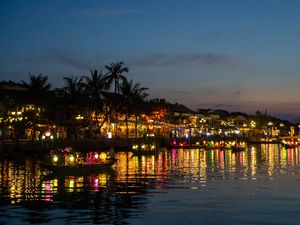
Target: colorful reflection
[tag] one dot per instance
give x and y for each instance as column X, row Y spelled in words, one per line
column 136, row 174
column 199, row 165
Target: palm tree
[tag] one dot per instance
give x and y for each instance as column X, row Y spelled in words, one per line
column 39, row 94
column 38, row 82
column 95, row 87
column 133, row 95
column 73, row 93
column 73, row 89
column 114, row 75
column 38, row 88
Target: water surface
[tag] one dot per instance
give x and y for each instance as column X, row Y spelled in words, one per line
column 184, row 186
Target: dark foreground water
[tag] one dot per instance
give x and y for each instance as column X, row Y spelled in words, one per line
column 192, row 186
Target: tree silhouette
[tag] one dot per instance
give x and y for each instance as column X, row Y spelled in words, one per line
column 73, row 94
column 115, row 74
column 38, row 88
column 95, row 88
column 133, row 96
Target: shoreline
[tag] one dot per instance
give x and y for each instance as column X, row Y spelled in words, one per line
column 26, row 147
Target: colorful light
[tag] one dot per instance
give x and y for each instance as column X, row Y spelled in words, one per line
column 103, row 156
column 71, row 158
column 55, row 158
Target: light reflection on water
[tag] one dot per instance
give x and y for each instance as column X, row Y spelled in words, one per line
column 29, row 194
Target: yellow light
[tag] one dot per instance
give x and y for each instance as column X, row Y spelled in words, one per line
column 102, row 179
column 13, row 113
column 55, row 183
column 71, row 158
column 79, row 117
column 103, row 156
column 55, row 158
column 71, row 183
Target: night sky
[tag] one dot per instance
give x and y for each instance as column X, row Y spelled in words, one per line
column 232, row 55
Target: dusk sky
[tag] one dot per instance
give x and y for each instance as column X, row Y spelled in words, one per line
column 233, row 55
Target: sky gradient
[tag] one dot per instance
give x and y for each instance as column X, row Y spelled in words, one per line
column 232, row 55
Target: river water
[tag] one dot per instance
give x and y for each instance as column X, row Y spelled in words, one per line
column 184, row 186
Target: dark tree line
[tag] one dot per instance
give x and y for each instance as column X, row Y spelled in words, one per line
column 107, row 93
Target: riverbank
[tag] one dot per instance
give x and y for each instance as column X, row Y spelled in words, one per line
column 13, row 148
column 22, row 147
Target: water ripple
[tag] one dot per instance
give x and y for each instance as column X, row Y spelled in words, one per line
column 209, row 186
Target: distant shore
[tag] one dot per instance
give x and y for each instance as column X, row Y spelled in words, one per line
column 27, row 147
column 8, row 147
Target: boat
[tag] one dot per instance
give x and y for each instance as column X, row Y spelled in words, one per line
column 145, row 152
column 286, row 146
column 79, row 168
column 213, row 145
column 177, row 144
column 144, row 149
column 290, row 142
column 68, row 161
column 238, row 148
